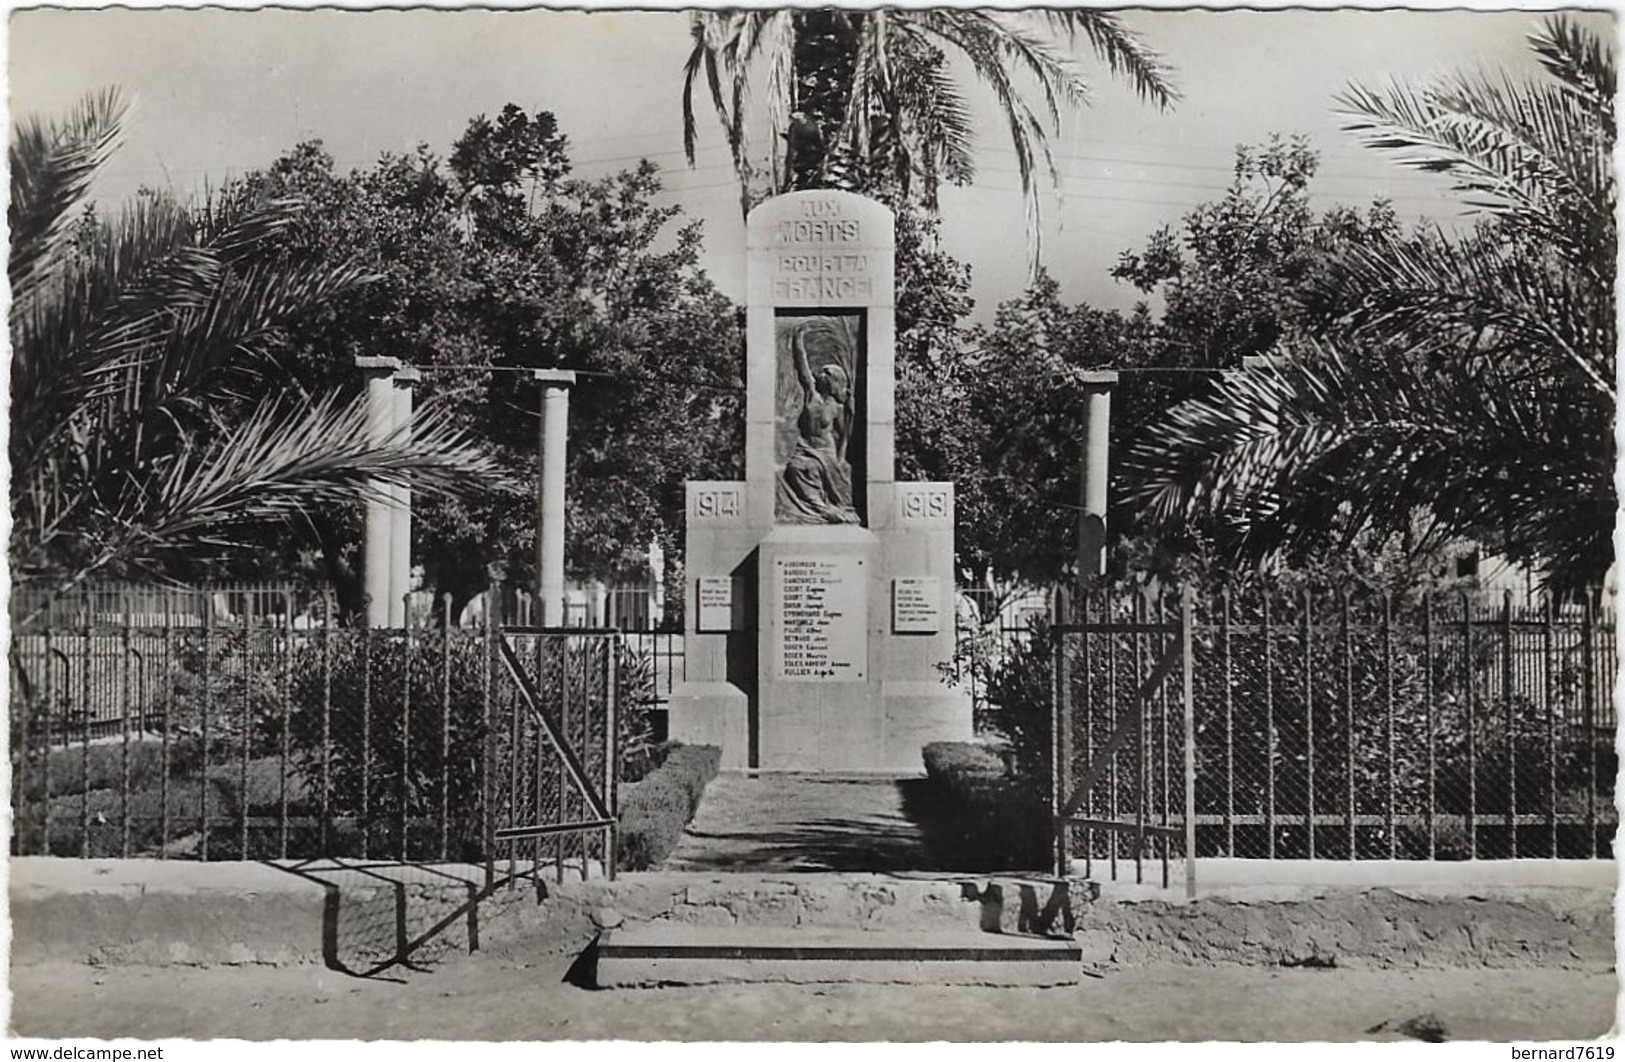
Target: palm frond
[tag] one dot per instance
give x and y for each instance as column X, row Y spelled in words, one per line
column 179, row 319
column 282, row 461
column 1125, row 55
column 921, row 116
column 1308, row 454
column 1482, row 296
column 1027, row 132
column 1579, row 60
column 1538, row 155
column 52, row 165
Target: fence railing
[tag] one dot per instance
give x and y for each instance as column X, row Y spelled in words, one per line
column 248, row 740
column 153, row 607
column 1358, row 726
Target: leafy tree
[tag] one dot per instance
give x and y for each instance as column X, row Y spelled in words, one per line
column 151, row 420
column 1239, row 277
column 1023, row 396
column 1468, row 379
column 863, row 99
column 498, row 261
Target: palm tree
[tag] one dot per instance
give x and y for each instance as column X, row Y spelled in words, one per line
column 863, row 99
column 149, row 417
column 1469, row 380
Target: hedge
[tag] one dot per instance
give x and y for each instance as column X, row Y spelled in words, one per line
column 655, row 810
column 983, row 817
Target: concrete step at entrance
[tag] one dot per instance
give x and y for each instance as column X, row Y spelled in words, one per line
column 664, row 953
column 882, row 903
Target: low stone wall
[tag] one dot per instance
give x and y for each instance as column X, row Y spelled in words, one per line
column 360, row 918
column 1373, row 927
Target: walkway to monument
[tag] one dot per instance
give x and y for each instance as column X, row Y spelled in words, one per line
column 803, row 822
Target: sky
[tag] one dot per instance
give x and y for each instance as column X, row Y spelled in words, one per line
column 222, row 92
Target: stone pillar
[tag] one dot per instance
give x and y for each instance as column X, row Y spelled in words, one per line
column 1094, row 474
column 400, row 513
column 378, row 522
column 554, row 436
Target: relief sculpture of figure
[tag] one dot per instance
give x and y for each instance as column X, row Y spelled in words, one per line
column 815, row 486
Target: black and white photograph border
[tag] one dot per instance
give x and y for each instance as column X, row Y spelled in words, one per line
column 802, row 525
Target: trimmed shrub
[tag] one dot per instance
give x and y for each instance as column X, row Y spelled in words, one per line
column 981, row 817
column 77, row 768
column 655, row 810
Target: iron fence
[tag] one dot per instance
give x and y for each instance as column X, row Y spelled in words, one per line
column 1350, row 726
column 256, row 737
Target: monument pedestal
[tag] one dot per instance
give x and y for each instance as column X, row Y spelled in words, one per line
column 712, row 713
column 815, row 681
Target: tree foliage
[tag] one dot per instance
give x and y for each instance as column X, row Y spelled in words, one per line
column 1239, row 277
column 1469, row 379
column 1236, row 276
column 498, row 260
column 864, row 99
column 151, row 419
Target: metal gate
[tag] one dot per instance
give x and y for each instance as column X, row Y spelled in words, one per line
column 553, row 750
column 1123, row 736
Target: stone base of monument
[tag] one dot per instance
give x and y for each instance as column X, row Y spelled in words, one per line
column 839, row 688
column 917, row 713
column 712, row 713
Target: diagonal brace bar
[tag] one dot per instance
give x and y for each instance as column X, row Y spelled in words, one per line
column 572, row 763
column 1125, row 727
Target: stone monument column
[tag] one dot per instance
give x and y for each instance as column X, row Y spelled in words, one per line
column 378, row 521
column 400, row 513
column 820, row 592
column 1094, row 471
column 553, row 440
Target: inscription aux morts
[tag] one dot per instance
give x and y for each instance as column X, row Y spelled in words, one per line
column 820, row 222
column 809, row 264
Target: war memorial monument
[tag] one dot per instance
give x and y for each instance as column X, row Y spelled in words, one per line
column 819, row 594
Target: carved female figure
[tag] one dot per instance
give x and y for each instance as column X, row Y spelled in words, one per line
column 815, row 486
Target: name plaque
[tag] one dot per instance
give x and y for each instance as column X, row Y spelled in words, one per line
column 715, row 608
column 914, row 606
column 823, row 619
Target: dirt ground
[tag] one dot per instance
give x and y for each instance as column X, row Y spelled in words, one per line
column 503, row 998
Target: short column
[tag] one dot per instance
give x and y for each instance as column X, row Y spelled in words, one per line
column 377, row 527
column 400, row 512
column 554, row 439
column 1094, row 473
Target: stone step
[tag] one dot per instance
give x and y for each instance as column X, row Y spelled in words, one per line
column 880, row 902
column 671, row 953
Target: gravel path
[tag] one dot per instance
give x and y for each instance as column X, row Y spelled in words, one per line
column 784, row 822
column 492, row 998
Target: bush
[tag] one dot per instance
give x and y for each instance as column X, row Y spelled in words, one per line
column 654, row 811
column 421, row 742
column 105, row 833
column 77, row 768
column 980, row 816
column 1257, row 704
column 959, row 765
